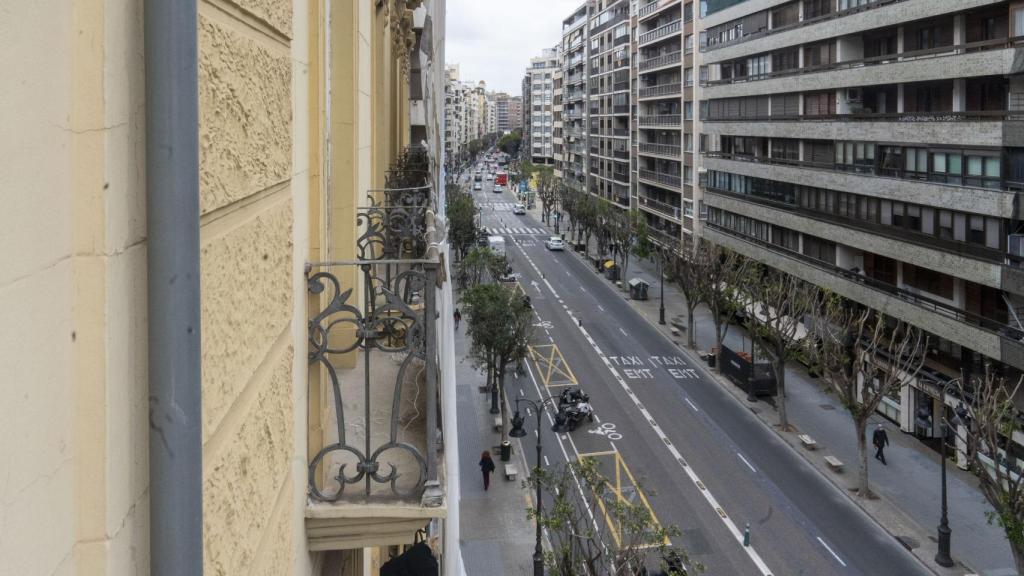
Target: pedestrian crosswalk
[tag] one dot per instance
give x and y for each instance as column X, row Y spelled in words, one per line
column 500, row 231
column 501, row 206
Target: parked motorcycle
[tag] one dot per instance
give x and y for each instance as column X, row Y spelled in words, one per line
column 573, row 407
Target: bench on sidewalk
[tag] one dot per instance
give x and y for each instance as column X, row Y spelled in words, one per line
column 835, row 464
column 510, row 472
column 808, row 442
column 497, row 423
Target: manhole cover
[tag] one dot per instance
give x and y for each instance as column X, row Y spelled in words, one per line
column 908, row 542
column 827, row 407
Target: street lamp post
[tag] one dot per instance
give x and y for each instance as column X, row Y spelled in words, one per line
column 661, row 274
column 518, row 432
column 943, row 557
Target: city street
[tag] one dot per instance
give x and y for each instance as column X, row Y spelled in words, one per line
column 700, row 459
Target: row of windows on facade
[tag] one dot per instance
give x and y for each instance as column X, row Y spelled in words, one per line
column 944, row 164
column 952, row 225
column 934, row 34
column 978, row 299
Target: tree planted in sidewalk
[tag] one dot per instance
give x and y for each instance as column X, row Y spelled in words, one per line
column 546, row 184
column 992, row 421
column 500, row 325
column 722, row 276
column 638, row 545
column 687, row 271
column 776, row 305
column 480, row 265
column 863, row 356
column 623, row 228
column 460, row 210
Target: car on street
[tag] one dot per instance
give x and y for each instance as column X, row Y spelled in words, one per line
column 554, row 243
column 490, row 176
column 477, row 186
column 519, row 209
column 498, row 188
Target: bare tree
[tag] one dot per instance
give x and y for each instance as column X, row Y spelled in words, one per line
column 776, row 306
column 687, row 270
column 863, row 357
column 992, row 421
column 724, row 273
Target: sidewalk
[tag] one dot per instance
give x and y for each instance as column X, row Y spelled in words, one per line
column 909, row 487
column 497, row 537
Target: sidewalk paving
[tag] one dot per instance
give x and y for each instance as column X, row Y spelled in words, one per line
column 908, row 487
column 496, row 535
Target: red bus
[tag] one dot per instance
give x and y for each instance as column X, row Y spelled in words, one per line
column 501, row 178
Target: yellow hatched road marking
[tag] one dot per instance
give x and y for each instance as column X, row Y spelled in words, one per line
column 616, row 489
column 551, row 365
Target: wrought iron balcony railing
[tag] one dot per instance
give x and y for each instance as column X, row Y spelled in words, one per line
column 661, row 179
column 670, row 89
column 661, row 120
column 373, row 351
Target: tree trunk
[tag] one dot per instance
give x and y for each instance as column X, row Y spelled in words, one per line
column 780, row 378
column 718, row 337
column 504, row 406
column 1018, row 556
column 691, row 338
column 863, row 488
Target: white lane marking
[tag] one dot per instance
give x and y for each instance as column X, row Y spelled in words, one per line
column 546, row 463
column 601, row 308
column 752, row 469
column 832, row 552
column 583, row 289
column 535, row 433
column 692, row 405
column 521, row 393
column 623, row 332
column 597, row 418
column 701, row 486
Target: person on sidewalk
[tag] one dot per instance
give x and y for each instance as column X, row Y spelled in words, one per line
column 458, row 318
column 486, row 466
column 880, row 439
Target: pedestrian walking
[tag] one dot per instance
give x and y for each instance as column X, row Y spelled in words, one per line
column 458, row 318
column 880, row 439
column 486, row 467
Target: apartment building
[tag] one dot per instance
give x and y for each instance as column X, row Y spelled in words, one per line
column 537, row 107
column 664, row 180
column 608, row 57
column 874, row 147
column 186, row 190
column 573, row 68
column 455, row 116
column 515, row 113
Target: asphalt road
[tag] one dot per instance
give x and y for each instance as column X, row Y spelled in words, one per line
column 700, row 459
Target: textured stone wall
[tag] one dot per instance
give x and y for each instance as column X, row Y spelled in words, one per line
column 247, row 266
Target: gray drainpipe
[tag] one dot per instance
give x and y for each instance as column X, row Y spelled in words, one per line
column 172, row 222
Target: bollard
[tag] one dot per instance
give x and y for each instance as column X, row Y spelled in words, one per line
column 746, row 535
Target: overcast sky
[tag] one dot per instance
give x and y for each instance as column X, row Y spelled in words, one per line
column 493, row 40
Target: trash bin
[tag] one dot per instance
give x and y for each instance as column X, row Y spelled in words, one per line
column 638, row 289
column 712, row 359
column 611, row 271
column 506, row 451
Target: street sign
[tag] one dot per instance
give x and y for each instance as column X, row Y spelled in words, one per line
column 522, row 185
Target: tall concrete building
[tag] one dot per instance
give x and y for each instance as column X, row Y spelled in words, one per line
column 508, row 112
column 573, row 68
column 515, row 113
column 665, row 63
column 185, row 190
column 875, row 149
column 537, row 103
column 608, row 37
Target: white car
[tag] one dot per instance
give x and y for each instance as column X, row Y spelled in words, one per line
column 489, row 177
column 554, row 243
column 519, row 209
column 477, row 186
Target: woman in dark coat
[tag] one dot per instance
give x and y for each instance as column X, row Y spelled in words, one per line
column 486, row 466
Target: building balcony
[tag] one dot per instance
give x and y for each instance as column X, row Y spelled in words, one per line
column 655, row 7
column 1003, row 202
column 984, row 128
column 674, row 213
column 665, row 60
column 664, row 238
column 661, row 32
column 661, row 179
column 661, row 121
column 373, row 357
column 988, row 58
column 661, row 91
column 988, row 337
column 673, row 151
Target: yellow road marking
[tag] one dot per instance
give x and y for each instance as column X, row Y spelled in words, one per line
column 616, row 488
column 554, row 371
